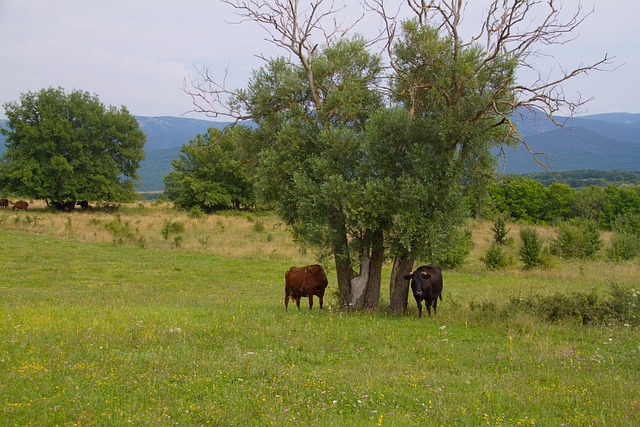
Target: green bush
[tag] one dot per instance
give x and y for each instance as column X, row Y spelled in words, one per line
column 457, row 252
column 577, row 239
column 120, row 230
column 623, row 247
column 622, row 305
column 531, row 250
column 171, row 227
column 495, row 258
column 500, row 231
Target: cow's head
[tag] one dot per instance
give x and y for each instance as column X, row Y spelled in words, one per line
column 417, row 279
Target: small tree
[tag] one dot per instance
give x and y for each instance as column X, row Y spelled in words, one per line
column 531, row 249
column 66, row 147
column 500, row 230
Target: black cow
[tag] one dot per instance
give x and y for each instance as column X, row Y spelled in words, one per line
column 426, row 284
column 304, row 282
column 83, row 204
column 4, row 203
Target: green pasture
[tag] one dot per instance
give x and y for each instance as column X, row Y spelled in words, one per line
column 103, row 335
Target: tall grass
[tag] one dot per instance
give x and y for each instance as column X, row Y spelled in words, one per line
column 96, row 333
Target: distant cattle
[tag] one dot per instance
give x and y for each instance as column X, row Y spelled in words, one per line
column 304, row 282
column 83, row 204
column 4, row 203
column 426, row 284
column 20, row 205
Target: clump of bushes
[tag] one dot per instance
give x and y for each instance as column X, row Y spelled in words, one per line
column 621, row 304
column 121, row 231
column 577, row 239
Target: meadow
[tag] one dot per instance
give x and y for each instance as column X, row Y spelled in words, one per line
column 147, row 316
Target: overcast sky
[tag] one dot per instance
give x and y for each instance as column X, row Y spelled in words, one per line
column 138, row 52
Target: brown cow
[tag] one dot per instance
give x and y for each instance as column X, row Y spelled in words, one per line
column 20, row 205
column 4, row 203
column 304, row 282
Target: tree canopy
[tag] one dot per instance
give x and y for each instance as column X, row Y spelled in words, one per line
column 64, row 147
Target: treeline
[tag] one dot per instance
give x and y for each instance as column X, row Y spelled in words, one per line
column 586, row 178
column 578, row 214
column 525, row 199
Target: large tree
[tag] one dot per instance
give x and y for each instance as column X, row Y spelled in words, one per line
column 362, row 179
column 64, row 147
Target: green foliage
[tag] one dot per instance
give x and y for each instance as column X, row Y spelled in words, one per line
column 531, row 249
column 619, row 201
column 496, row 257
column 210, row 174
column 625, row 239
column 577, row 239
column 66, row 147
column 459, row 248
column 521, row 199
column 121, row 230
column 501, row 231
column 172, row 227
column 258, row 227
column 623, row 306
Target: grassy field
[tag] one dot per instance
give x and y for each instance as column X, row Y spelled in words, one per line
column 104, row 321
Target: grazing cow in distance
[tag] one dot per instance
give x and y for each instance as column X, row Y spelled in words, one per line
column 426, row 284
column 20, row 205
column 4, row 203
column 304, row 282
column 83, row 204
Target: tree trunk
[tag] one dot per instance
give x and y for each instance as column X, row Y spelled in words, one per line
column 398, row 286
column 360, row 283
column 372, row 294
column 343, row 261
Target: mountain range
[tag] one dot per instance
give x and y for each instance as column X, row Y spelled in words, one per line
column 598, row 142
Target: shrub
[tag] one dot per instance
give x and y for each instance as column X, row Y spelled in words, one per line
column 531, row 250
column 457, row 252
column 500, row 231
column 172, row 227
column 577, row 239
column 197, row 212
column 623, row 247
column 622, row 305
column 120, row 230
column 495, row 258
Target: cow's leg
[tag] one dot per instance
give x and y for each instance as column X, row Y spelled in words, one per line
column 297, row 301
column 320, row 298
column 435, row 304
column 286, row 301
column 419, row 307
column 310, row 301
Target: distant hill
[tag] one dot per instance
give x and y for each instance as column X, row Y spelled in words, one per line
column 597, row 142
